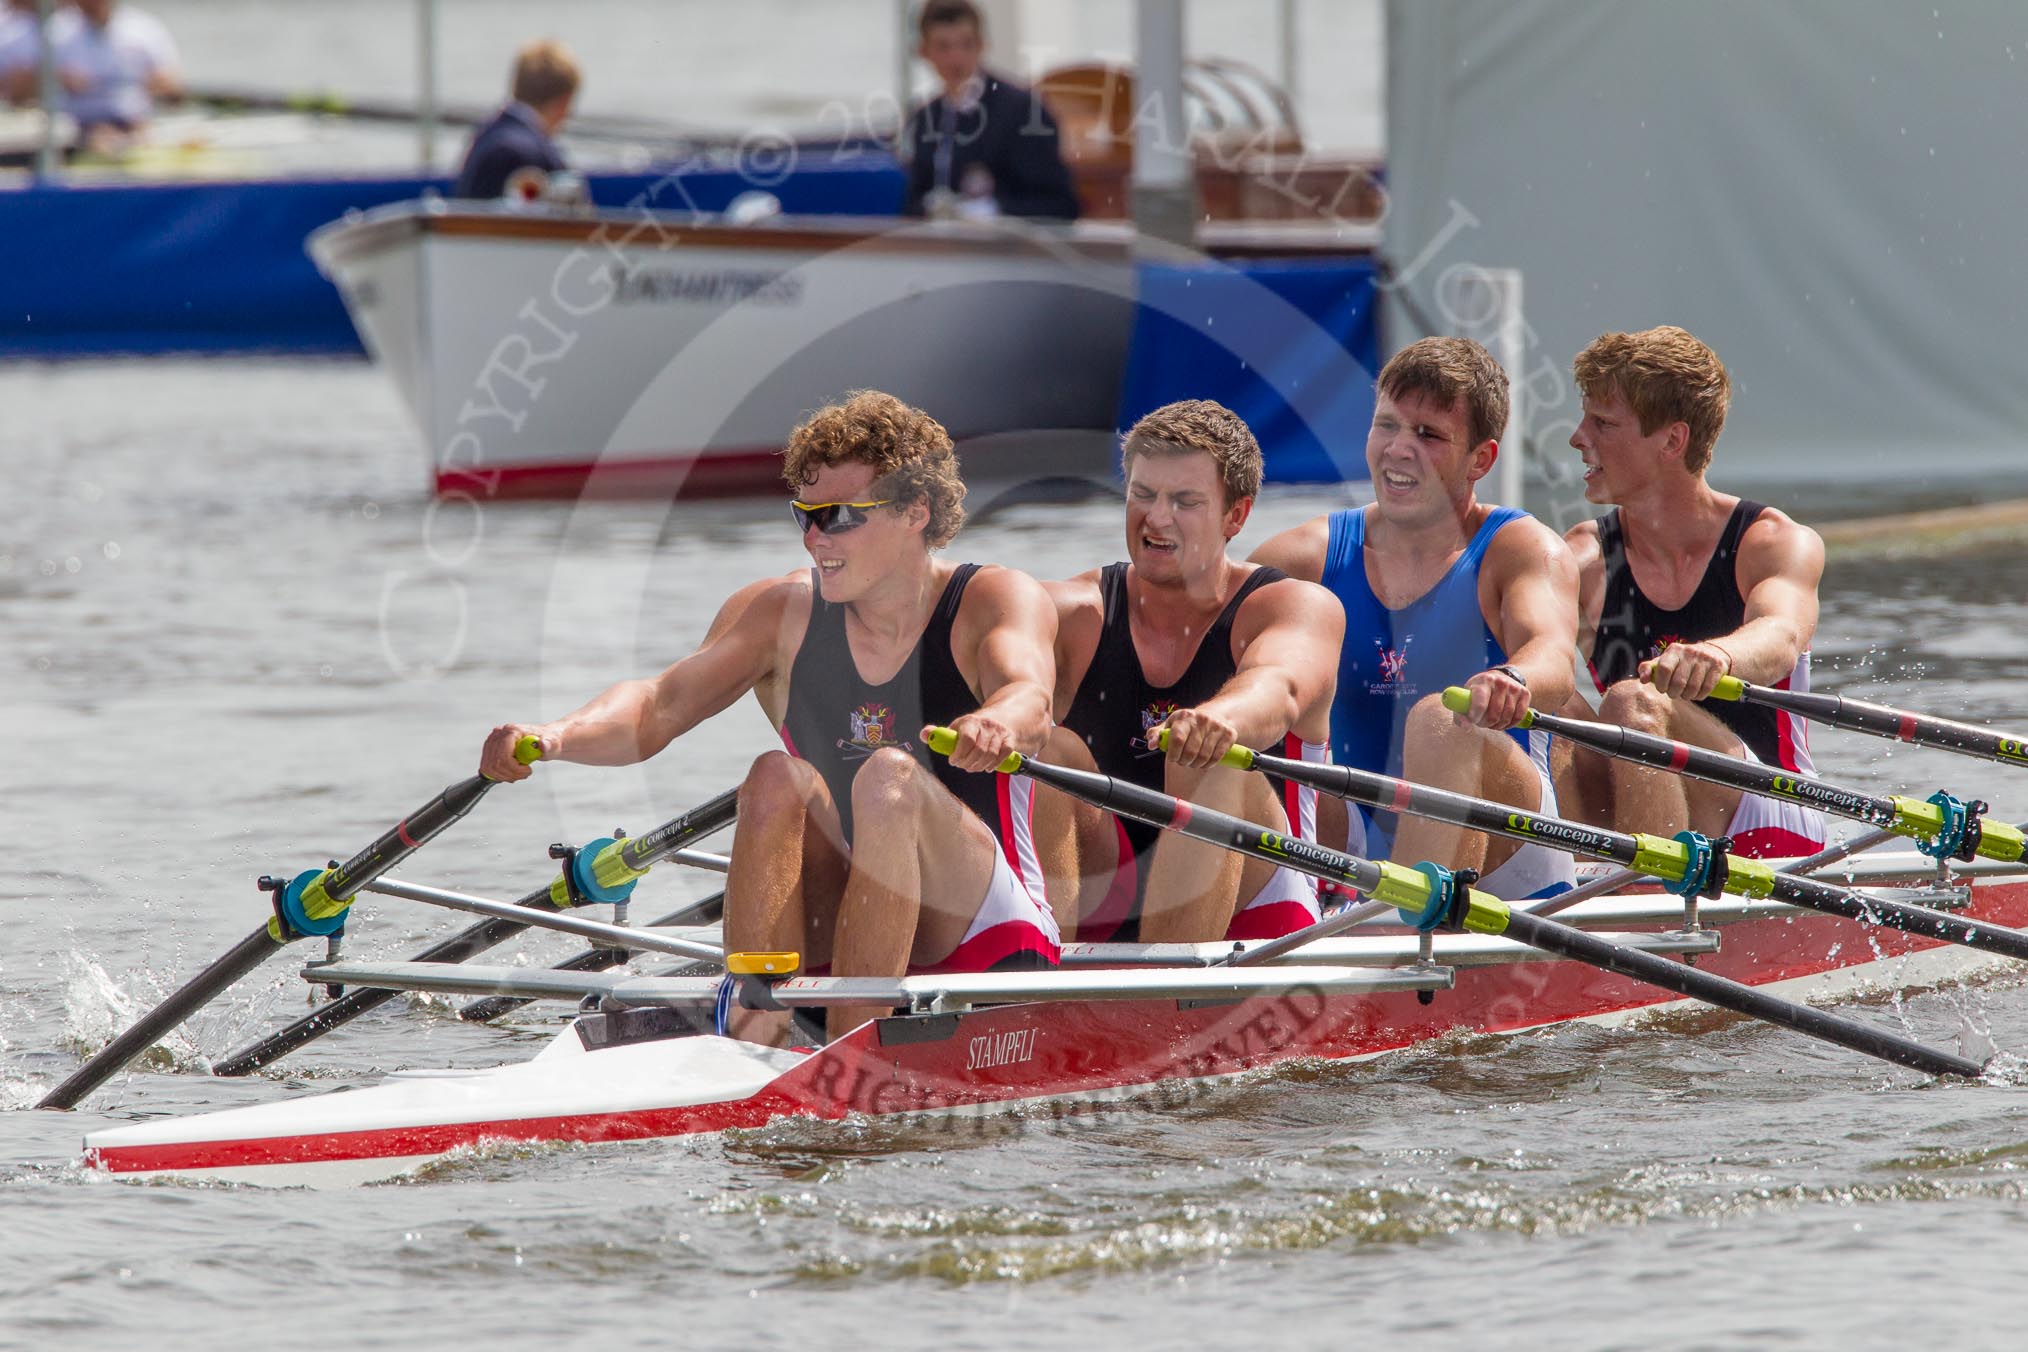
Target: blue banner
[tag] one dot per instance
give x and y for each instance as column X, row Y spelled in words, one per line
column 98, row 270
column 1291, row 345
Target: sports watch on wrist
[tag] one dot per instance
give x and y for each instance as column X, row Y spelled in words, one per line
column 1512, row 673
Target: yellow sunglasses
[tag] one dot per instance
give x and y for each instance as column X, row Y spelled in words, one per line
column 834, row 518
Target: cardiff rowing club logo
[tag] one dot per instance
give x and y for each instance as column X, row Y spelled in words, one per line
column 1393, row 666
column 872, row 729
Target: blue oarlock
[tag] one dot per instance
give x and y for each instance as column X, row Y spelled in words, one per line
column 290, row 904
column 589, row 887
column 1443, row 895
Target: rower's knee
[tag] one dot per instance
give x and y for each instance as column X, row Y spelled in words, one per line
column 888, row 783
column 775, row 780
column 1637, row 705
column 1431, row 736
column 1067, row 749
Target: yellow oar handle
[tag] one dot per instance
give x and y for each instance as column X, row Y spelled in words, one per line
column 1237, row 757
column 528, row 750
column 1459, row 700
column 1729, row 688
column 944, row 741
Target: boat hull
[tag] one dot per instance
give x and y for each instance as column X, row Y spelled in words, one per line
column 980, row 1059
column 632, row 354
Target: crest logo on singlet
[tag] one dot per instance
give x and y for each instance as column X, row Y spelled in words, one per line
column 872, row 729
column 1393, row 667
column 1152, row 717
column 1661, row 642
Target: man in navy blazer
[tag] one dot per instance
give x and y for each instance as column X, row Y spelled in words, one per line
column 522, row 135
column 985, row 146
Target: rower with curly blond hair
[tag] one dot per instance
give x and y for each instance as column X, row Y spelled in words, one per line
column 856, row 847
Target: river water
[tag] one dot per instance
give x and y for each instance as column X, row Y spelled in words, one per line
column 235, row 638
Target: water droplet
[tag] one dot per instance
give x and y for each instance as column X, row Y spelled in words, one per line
column 111, row 549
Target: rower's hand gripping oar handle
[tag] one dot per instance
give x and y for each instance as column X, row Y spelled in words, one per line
column 1459, row 700
column 1236, row 757
column 527, row 751
column 1425, row 894
column 944, row 741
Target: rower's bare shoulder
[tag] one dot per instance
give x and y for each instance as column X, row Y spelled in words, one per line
column 998, row 594
column 1293, row 601
column 1525, row 545
column 1076, row 596
column 1299, row 551
column 1777, row 530
column 1778, row 545
column 1582, row 541
column 1080, row 605
column 772, row 613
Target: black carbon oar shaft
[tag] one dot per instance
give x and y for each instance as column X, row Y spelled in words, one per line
column 1698, row 763
column 1487, row 914
column 1652, row 855
column 1881, row 720
column 1697, row 984
column 467, row 943
column 199, row 991
column 701, row 820
column 1913, row 817
column 404, row 838
column 337, row 885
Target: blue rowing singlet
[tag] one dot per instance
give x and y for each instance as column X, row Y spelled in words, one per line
column 1392, row 658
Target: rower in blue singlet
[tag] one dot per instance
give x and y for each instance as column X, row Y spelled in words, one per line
column 1395, row 657
column 1440, row 590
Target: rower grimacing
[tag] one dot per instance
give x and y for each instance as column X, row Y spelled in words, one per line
column 1181, row 637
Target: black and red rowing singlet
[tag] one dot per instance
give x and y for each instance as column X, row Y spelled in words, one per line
column 836, row 719
column 1633, row 629
column 1113, row 711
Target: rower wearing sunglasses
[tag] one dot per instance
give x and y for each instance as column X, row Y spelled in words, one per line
column 1184, row 639
column 855, row 846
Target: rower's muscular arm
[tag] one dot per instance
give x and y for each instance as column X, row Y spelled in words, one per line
column 1290, row 634
column 634, row 720
column 1080, row 615
column 1004, row 641
column 1582, row 541
column 1299, row 551
column 1780, row 564
column 1535, row 587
